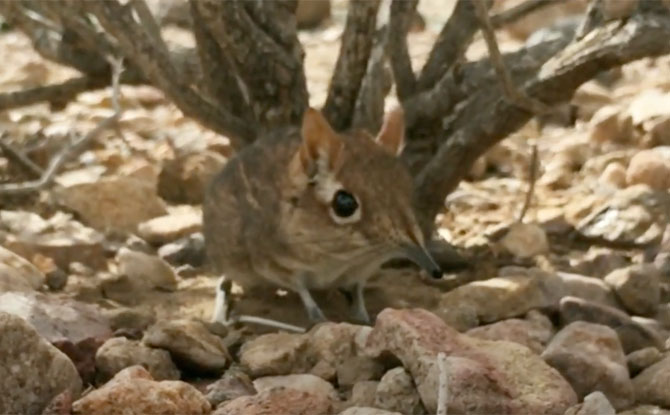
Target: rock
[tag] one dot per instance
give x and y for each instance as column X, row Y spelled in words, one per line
column 611, row 124
column 189, row 250
column 651, row 386
column 528, row 333
column 635, row 215
column 591, row 358
column 524, row 240
column 59, row 238
column 60, row 405
column 599, row 262
column 614, row 175
column 657, row 132
column 663, row 315
column 277, row 401
column 177, row 224
column 637, row 287
column 650, row 168
column 136, row 392
column 363, row 393
column 588, row 288
column 311, row 384
column 484, row 376
column 330, row 345
column 366, row 410
column 595, row 403
column 358, row 368
column 501, row 297
column 645, row 410
column 311, row 13
column 526, row 26
column 463, row 318
column 633, row 335
column 119, row 353
column 113, row 202
column 396, row 392
column 642, row 359
column 650, row 104
column 146, row 271
column 32, row 371
column 273, row 354
column 17, row 273
column 191, row 345
column 130, row 319
column 233, row 384
column 77, row 329
column 183, row 180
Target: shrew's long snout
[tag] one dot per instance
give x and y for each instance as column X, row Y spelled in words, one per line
column 422, row 258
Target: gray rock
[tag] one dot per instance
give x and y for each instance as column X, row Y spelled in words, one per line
column 645, row 410
column 534, row 334
column 311, row 384
column 637, row 287
column 358, row 368
column 183, row 179
column 633, row 335
column 595, row 403
column 366, row 410
column 363, row 393
column 588, row 288
column 396, row 392
column 191, row 345
column 642, row 359
column 651, row 386
column 32, row 371
column 146, row 271
column 119, row 353
column 17, row 273
column 189, row 250
column 177, row 224
column 591, row 358
column 76, row 328
column 278, row 401
column 233, row 384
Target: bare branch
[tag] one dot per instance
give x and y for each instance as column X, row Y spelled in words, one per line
column 59, row 93
column 532, row 178
column 510, row 89
column 72, row 149
column 483, row 121
column 399, row 22
column 369, row 110
column 157, row 67
column 351, row 63
column 16, row 156
column 271, row 70
column 455, row 37
column 519, row 11
column 149, row 23
column 443, row 384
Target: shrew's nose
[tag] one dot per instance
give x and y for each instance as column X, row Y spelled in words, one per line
column 422, row 258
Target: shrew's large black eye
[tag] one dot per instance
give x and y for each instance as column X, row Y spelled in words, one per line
column 344, row 204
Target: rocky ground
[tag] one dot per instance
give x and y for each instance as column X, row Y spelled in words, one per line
column 105, row 296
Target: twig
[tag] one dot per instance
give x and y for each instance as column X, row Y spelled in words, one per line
column 62, row 92
column 519, row 11
column 512, row 92
column 17, row 157
column 267, row 322
column 532, row 178
column 73, row 148
column 443, row 384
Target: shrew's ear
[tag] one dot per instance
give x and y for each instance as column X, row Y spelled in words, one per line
column 392, row 134
column 321, row 147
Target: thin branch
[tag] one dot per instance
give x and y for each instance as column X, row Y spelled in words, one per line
column 61, row 93
column 483, row 121
column 369, row 110
column 352, row 63
column 454, row 38
column 149, row 23
column 519, row 11
column 512, row 92
column 443, row 384
column 532, row 178
column 16, row 156
column 72, row 149
column 399, row 22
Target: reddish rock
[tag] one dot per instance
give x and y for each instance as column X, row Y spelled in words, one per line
column 484, row 376
column 278, row 401
column 133, row 391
